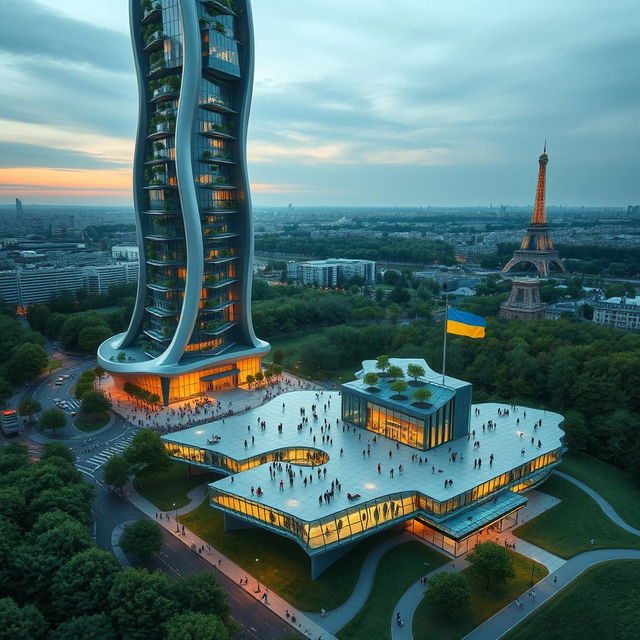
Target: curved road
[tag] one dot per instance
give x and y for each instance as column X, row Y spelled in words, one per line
column 257, row 622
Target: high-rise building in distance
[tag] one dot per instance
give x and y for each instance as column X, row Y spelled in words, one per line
column 191, row 327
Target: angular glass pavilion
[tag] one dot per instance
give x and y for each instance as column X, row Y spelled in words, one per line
column 422, row 488
column 191, row 327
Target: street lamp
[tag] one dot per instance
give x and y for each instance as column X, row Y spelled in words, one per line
column 258, row 574
column 176, row 508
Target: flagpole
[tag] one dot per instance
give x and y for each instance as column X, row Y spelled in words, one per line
column 444, row 347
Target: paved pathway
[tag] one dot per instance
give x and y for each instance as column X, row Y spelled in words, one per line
column 602, row 503
column 278, row 605
column 511, row 615
column 412, row 597
column 337, row 618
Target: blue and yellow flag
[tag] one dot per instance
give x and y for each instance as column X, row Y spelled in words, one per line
column 462, row 323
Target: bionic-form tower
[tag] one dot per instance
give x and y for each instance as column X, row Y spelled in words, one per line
column 191, row 327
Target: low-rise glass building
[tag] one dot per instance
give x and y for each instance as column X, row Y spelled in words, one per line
column 328, row 469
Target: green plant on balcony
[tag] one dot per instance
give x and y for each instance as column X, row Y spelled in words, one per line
column 206, row 155
column 221, row 180
column 228, row 3
column 156, row 59
column 220, row 28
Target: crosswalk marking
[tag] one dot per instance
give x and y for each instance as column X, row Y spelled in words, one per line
column 92, row 464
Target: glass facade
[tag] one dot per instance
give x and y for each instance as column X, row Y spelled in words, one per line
column 303, row 456
column 424, row 431
column 363, row 518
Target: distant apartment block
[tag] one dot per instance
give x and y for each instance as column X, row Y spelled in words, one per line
column 129, row 253
column 34, row 286
column 331, row 273
column 99, row 279
column 621, row 313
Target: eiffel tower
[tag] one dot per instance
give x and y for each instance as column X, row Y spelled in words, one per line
column 537, row 248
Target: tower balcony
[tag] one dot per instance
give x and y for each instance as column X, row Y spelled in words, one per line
column 161, row 130
column 161, row 236
column 213, row 130
column 163, row 312
column 156, row 335
column 217, row 236
column 214, row 103
column 211, row 282
column 215, row 328
column 219, row 208
column 227, row 7
column 166, row 261
column 214, row 157
column 154, row 41
column 152, row 11
column 214, row 306
column 164, row 92
column 166, row 285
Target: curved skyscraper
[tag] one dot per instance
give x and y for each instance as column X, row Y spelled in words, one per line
column 191, row 327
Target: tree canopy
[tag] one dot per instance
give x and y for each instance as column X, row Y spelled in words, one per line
column 492, row 562
column 448, row 593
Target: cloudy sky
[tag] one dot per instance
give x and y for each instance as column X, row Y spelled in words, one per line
column 357, row 102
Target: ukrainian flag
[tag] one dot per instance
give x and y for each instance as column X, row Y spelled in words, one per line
column 462, row 323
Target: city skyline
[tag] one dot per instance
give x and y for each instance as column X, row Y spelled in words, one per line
column 451, row 116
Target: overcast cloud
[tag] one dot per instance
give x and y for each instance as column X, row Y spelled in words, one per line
column 411, row 103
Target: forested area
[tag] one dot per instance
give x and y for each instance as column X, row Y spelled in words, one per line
column 56, row 584
column 285, row 309
column 22, row 354
column 383, row 249
column 74, row 318
column 590, row 374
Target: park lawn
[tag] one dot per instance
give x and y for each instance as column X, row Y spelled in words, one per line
column 601, row 603
column 92, row 422
column 614, row 485
column 428, row 625
column 170, row 486
column 399, row 568
column 284, row 566
column 567, row 528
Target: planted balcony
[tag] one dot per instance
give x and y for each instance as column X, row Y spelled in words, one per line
column 150, row 9
column 225, row 6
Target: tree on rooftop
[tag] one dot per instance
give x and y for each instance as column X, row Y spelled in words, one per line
column 422, row 395
column 396, row 372
column 415, row 371
column 398, row 386
column 250, row 380
column 382, row 363
column 370, row 379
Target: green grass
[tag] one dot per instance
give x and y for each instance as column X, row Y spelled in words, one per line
column 89, row 423
column 566, row 529
column 602, row 603
column 284, row 566
column 53, row 364
column 614, row 485
column 399, row 568
column 428, row 625
column 172, row 485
